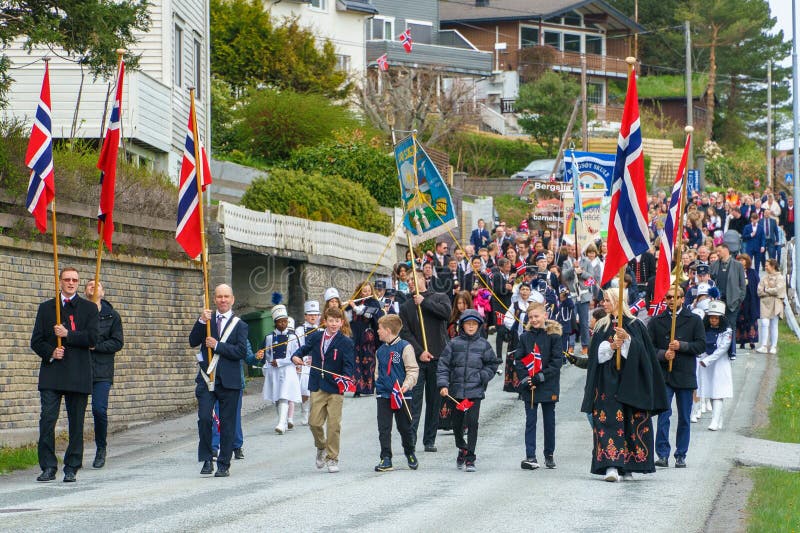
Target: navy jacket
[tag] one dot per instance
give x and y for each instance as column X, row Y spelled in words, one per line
column 338, row 358
column 466, row 366
column 753, row 243
column 548, row 381
column 109, row 341
column 690, row 332
column 480, row 238
column 231, row 352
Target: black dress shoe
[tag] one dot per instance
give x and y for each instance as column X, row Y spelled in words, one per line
column 208, row 468
column 69, row 476
column 680, row 462
column 430, row 448
column 222, row 472
column 662, row 462
column 99, row 458
column 48, row 474
column 238, row 453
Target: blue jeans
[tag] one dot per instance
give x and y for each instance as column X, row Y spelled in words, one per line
column 549, row 427
column 683, row 400
column 100, row 390
column 238, row 440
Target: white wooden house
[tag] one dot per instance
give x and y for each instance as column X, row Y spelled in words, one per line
column 155, row 109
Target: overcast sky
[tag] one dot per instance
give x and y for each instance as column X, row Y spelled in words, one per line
column 782, row 10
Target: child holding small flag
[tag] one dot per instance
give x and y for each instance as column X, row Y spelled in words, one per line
column 396, row 372
column 466, row 366
column 332, row 365
column 539, row 359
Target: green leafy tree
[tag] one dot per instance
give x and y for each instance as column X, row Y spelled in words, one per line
column 248, row 47
column 90, row 30
column 317, row 197
column 545, row 106
column 351, row 155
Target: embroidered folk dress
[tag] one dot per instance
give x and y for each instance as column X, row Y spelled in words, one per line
column 622, row 402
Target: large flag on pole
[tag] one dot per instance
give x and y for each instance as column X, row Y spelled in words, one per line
column 107, row 164
column 39, row 158
column 628, row 234
column 672, row 231
column 188, row 231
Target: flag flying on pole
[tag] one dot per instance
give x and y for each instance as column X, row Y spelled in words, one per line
column 107, row 164
column 429, row 210
column 672, row 231
column 396, row 400
column 405, row 39
column 188, row 231
column 39, row 158
column 383, row 62
column 628, row 234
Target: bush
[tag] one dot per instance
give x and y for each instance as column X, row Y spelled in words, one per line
column 350, row 155
column 317, row 197
column 271, row 123
column 740, row 170
column 487, row 156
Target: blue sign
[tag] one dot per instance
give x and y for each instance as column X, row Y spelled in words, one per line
column 692, row 181
column 596, row 170
column 789, row 178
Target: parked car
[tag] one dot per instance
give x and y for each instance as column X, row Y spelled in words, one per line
column 540, row 169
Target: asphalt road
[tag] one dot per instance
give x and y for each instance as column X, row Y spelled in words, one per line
column 152, row 482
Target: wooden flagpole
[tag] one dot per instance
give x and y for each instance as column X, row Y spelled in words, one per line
column 198, row 174
column 55, row 265
column 102, row 223
column 678, row 252
column 405, row 403
column 411, row 249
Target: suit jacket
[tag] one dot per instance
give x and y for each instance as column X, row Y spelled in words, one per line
column 689, row 331
column 73, row 373
column 736, row 287
column 231, row 352
column 480, row 238
column 338, row 358
column 753, row 243
column 769, row 224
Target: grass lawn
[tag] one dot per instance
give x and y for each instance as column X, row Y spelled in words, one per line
column 774, row 504
column 17, row 458
column 784, row 413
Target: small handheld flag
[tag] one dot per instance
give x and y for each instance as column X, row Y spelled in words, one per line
column 464, row 404
column 533, row 361
column 405, row 39
column 39, row 158
column 640, row 304
column 345, row 384
column 396, row 399
column 591, row 282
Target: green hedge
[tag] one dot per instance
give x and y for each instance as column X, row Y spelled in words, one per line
column 487, row 156
column 317, row 197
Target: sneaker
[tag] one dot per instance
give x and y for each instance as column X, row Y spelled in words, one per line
column 333, row 465
column 773, row 350
column 761, row 349
column 663, row 462
column 680, row 462
column 384, row 466
column 529, row 464
column 470, row 467
column 549, row 462
column 460, row 458
column 430, row 448
column 289, row 424
column 612, row 475
column 627, row 476
column 321, row 458
column 412, row 461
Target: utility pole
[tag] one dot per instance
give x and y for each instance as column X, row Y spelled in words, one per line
column 689, row 96
column 769, row 125
column 584, row 105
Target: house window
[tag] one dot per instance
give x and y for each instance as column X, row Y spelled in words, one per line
column 572, row 42
column 178, row 58
column 594, row 44
column 379, row 29
column 595, row 93
column 528, row 36
column 552, row 38
column 421, row 31
column 320, row 5
column 573, row 19
column 342, row 63
column 198, row 68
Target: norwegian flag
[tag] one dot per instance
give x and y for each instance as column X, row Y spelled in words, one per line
column 39, row 158
column 628, row 234
column 383, row 62
column 672, row 230
column 107, row 164
column 640, row 304
column 215, row 419
column 656, row 309
column 405, row 39
column 533, row 361
column 591, row 282
column 188, row 231
column 345, row 384
column 464, row 404
column 396, row 399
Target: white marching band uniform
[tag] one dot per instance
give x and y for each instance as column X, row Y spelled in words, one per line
column 281, row 384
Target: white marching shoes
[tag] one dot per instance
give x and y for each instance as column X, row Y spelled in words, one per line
column 696, row 408
column 612, row 475
column 283, row 412
column 716, row 417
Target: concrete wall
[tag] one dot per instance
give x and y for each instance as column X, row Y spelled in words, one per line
column 158, row 301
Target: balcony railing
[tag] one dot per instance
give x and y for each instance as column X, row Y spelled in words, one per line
column 596, row 64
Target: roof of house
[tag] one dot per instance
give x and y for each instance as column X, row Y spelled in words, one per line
column 451, row 11
column 360, row 6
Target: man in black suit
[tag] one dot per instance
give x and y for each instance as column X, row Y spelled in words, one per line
column 65, row 371
column 228, row 346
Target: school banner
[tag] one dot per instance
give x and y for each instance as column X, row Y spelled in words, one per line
column 428, row 207
column 593, row 224
column 595, row 171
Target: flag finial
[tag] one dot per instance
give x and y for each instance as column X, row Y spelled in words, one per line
column 630, row 60
column 688, row 129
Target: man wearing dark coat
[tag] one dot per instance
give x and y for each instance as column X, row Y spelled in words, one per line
column 65, row 372
column 228, row 346
column 690, row 341
column 436, row 310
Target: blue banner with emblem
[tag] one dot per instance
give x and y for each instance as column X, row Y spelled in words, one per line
column 427, row 204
